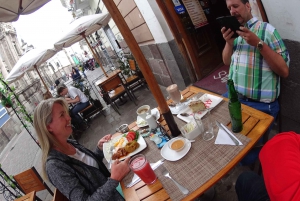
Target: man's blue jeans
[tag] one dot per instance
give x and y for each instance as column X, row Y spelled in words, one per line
column 268, row 108
column 77, row 108
column 251, row 187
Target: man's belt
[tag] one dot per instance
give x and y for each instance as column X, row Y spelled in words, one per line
column 245, row 98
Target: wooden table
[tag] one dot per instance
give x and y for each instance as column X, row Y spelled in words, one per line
column 104, row 79
column 255, row 124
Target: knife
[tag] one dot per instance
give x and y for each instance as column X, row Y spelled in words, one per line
column 153, row 166
column 221, row 126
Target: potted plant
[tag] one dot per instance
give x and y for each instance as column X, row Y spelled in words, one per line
column 6, row 101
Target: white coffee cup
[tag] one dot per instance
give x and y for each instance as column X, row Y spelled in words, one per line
column 142, row 111
column 151, row 121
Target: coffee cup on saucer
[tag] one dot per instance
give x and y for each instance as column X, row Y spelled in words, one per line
column 143, row 111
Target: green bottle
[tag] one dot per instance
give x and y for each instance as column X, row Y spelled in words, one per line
column 234, row 107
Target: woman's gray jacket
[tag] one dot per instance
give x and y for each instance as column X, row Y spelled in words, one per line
column 79, row 181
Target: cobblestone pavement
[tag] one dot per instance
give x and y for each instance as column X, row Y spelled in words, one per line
column 22, row 153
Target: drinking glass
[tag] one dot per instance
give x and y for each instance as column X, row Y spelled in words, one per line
column 174, row 93
column 141, row 167
column 207, row 123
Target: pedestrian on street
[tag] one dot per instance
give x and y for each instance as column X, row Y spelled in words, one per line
column 77, row 172
column 77, row 78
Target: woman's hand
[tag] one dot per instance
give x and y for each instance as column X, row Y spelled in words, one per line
column 119, row 169
column 106, row 138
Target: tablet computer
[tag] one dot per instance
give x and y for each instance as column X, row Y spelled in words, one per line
column 230, row 22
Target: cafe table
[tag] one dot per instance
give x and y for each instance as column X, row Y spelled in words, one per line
column 105, row 79
column 212, row 162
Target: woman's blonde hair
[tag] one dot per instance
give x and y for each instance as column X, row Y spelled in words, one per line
column 42, row 117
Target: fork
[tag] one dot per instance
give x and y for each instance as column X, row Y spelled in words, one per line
column 181, row 188
column 110, row 160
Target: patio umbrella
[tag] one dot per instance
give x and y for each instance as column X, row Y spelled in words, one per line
column 29, row 61
column 10, row 10
column 80, row 28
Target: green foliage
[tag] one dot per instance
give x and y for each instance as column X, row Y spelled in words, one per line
column 6, row 101
column 124, row 67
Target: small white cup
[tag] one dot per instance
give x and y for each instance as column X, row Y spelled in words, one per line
column 142, row 111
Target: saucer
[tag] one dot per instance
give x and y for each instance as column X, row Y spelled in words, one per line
column 140, row 122
column 172, row 155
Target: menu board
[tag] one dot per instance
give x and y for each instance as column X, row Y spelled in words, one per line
column 196, row 12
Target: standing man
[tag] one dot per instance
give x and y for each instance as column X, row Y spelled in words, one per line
column 257, row 59
column 75, row 96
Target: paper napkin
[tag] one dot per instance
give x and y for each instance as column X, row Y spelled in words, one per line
column 223, row 138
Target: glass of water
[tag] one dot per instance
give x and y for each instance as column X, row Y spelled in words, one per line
column 208, row 126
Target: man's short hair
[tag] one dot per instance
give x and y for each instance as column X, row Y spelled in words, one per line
column 245, row 1
column 60, row 88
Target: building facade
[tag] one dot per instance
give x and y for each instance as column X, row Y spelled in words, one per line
column 27, row 88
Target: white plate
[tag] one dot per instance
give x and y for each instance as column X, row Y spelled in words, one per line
column 172, row 155
column 178, row 108
column 175, row 110
column 154, row 112
column 140, row 122
column 106, row 147
column 209, row 100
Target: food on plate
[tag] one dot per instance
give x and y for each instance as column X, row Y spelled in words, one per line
column 131, row 146
column 197, row 105
column 125, row 145
column 141, row 122
column 177, row 145
column 121, row 152
column 189, row 127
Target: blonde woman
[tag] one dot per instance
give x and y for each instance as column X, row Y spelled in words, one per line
column 74, row 170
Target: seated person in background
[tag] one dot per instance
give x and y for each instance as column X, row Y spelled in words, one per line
column 74, row 170
column 75, row 96
column 280, row 160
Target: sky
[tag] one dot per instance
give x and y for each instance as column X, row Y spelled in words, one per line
column 43, row 27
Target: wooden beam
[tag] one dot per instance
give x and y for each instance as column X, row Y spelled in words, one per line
column 262, row 11
column 143, row 64
column 184, row 37
column 177, row 38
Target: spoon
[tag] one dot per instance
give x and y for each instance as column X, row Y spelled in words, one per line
column 185, row 114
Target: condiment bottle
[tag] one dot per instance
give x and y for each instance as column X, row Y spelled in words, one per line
column 234, row 107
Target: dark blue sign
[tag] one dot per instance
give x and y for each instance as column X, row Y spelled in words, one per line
column 179, row 9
